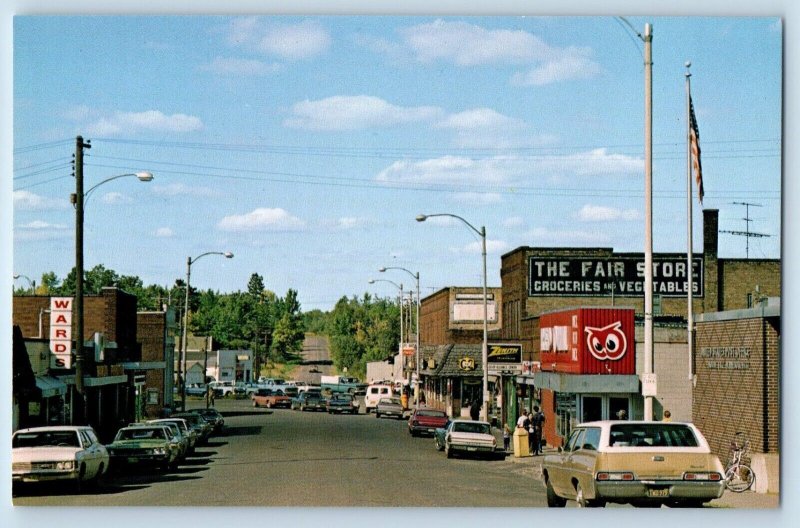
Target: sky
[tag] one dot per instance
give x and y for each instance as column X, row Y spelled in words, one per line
column 307, row 145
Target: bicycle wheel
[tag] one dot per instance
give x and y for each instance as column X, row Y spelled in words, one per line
column 739, row 478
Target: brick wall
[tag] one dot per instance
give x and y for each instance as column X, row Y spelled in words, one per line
column 437, row 326
column 737, row 363
column 740, row 278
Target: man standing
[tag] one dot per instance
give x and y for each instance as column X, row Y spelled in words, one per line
column 537, row 420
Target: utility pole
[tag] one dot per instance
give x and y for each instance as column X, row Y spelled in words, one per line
column 648, row 236
column 747, row 233
column 77, row 200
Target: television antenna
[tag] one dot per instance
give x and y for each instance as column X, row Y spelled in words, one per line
column 747, row 233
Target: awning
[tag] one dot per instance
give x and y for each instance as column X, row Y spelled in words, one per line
column 587, row 383
column 50, row 386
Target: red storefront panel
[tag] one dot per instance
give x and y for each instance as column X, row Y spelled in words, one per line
column 588, row 341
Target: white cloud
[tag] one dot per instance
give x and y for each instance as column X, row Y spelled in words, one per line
column 480, row 118
column 164, row 232
column 475, row 198
column 262, row 219
column 469, row 45
column 599, row 213
column 240, row 67
column 115, row 198
column 452, row 170
column 573, row 64
column 513, row 222
column 28, row 201
column 354, row 113
column 150, row 120
column 288, row 41
column 179, row 189
column 41, row 230
column 566, row 237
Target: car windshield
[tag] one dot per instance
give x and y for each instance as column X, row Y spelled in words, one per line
column 468, row 427
column 652, row 435
column 141, row 433
column 46, row 439
column 193, row 419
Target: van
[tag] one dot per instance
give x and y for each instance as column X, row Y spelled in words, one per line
column 374, row 393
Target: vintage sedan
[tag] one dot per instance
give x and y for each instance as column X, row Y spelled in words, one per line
column 53, row 453
column 196, row 422
column 342, row 403
column 144, row 444
column 186, row 430
column 389, row 407
column 466, row 437
column 213, row 418
column 424, row 421
column 309, row 401
column 641, row 463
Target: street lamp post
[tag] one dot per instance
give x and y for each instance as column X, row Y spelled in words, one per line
column 189, row 262
column 77, row 200
column 31, row 283
column 416, row 277
column 485, row 347
column 399, row 287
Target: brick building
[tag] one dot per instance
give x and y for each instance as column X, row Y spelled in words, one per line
column 111, row 372
column 156, row 332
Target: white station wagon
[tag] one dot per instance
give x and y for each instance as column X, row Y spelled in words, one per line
column 63, row 452
column 637, row 462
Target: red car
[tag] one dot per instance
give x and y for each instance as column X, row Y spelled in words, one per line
column 426, row 421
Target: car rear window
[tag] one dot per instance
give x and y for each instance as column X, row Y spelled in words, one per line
column 471, row 428
column 436, row 414
column 652, row 435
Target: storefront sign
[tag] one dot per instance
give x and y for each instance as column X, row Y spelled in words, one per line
column 618, row 276
column 726, row 358
column 61, row 332
column 466, row 363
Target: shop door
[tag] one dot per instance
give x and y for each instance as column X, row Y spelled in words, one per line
column 616, row 404
column 591, row 408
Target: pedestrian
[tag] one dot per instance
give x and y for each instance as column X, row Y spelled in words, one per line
column 522, row 421
column 538, row 425
column 667, row 416
column 210, row 392
column 622, row 414
column 422, row 398
column 531, row 432
column 506, row 437
column 475, row 409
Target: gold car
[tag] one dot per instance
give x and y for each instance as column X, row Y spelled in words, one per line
column 636, row 462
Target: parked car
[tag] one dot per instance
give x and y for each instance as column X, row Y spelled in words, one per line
column 309, row 401
column 638, row 462
column 227, row 389
column 71, row 453
column 174, row 428
column 186, row 430
column 342, row 403
column 269, row 399
column 424, row 421
column 196, row 389
column 467, row 437
column 144, row 444
column 374, row 394
column 213, row 418
column 198, row 423
column 389, row 407
column 249, row 387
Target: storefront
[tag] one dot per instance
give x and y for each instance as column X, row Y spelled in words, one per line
column 588, row 368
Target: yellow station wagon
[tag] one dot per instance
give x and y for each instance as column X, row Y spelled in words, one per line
column 636, row 462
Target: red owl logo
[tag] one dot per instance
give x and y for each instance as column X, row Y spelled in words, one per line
column 608, row 342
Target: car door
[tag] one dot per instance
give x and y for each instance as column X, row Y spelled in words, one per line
column 91, row 455
column 561, row 472
column 583, row 459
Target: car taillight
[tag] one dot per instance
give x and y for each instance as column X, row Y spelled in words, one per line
column 712, row 476
column 622, row 476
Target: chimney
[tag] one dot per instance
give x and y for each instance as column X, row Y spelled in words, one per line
column 710, row 232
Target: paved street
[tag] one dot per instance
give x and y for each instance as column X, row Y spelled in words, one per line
column 289, row 458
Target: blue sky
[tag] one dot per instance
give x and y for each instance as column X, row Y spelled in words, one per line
column 306, row 145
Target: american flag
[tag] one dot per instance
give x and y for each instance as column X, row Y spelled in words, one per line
column 694, row 145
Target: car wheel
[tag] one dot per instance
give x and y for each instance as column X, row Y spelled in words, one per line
column 580, row 496
column 553, row 500
column 377, row 414
column 255, row 403
column 447, row 451
column 438, row 444
column 269, row 405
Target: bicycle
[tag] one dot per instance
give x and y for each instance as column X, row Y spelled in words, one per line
column 739, row 476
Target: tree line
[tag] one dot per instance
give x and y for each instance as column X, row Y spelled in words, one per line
column 359, row 329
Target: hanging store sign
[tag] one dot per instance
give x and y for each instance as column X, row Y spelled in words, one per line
column 61, row 332
column 617, row 276
column 466, row 363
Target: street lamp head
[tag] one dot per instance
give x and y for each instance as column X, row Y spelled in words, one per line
column 228, row 254
column 371, row 281
column 421, row 218
column 382, row 270
column 145, row 176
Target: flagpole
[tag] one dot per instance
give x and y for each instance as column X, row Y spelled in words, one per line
column 689, row 251
column 648, row 228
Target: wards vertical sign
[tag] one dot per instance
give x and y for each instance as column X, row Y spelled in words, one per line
column 61, row 332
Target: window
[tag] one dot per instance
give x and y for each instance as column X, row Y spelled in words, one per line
column 647, row 435
column 591, row 439
column 574, row 440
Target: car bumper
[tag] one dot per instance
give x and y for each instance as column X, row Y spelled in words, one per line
column 471, row 448
column 424, row 429
column 140, row 458
column 658, row 490
column 44, row 476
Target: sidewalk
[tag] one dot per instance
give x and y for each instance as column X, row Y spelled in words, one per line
column 747, row 500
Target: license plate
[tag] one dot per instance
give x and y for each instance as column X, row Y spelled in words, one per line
column 431, row 430
column 663, row 492
column 133, row 460
column 472, row 449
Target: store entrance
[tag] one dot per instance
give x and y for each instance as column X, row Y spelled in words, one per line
column 592, row 409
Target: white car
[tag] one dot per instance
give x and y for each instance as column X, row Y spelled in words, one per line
column 62, row 452
column 469, row 437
